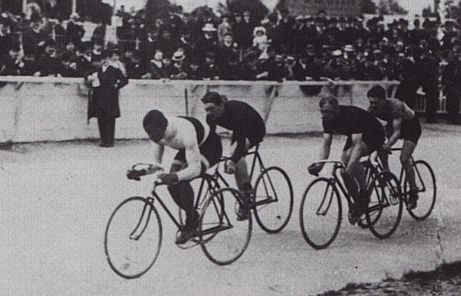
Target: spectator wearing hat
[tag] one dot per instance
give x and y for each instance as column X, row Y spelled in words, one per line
column 178, row 70
column 6, row 41
column 74, row 30
column 85, row 61
column 451, row 83
column 208, row 41
column 224, row 28
column 104, row 101
column 210, row 69
column 260, row 39
column 166, row 44
column 156, row 69
column 274, row 69
column 226, row 51
column 428, row 72
column 49, row 64
column 194, row 69
column 334, row 69
column 34, row 39
column 247, row 28
column 12, row 63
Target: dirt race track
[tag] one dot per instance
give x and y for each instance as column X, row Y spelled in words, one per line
column 56, row 199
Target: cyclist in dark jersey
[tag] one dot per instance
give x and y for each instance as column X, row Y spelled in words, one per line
column 199, row 148
column 248, row 130
column 401, row 123
column 364, row 135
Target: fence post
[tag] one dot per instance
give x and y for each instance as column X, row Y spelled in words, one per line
column 186, row 100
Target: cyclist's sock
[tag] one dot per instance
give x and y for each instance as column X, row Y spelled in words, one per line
column 183, row 194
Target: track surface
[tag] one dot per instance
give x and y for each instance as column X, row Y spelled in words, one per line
column 57, row 197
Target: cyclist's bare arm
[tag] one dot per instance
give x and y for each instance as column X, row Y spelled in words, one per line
column 326, row 146
column 193, row 159
column 397, row 125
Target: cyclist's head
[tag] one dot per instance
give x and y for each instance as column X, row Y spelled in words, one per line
column 214, row 105
column 329, row 107
column 155, row 124
column 376, row 96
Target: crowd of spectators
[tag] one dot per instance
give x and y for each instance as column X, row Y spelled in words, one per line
column 239, row 47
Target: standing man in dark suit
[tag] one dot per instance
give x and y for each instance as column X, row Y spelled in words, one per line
column 103, row 103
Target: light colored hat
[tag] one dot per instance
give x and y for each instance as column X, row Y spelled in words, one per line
column 348, row 48
column 336, row 53
column 259, row 29
column 178, row 56
column 208, row 28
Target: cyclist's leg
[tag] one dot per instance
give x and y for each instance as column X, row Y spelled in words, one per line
column 405, row 159
column 182, row 193
column 384, row 157
column 349, row 181
column 242, row 178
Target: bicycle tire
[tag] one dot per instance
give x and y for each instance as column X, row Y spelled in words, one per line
column 272, row 213
column 224, row 239
column 318, row 188
column 422, row 212
column 136, row 225
column 389, row 207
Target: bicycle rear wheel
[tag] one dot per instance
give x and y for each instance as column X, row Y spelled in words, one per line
column 273, row 200
column 385, row 208
column 133, row 237
column 320, row 213
column 223, row 238
column 427, row 190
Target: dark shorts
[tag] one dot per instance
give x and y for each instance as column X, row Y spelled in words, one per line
column 211, row 149
column 411, row 130
column 373, row 141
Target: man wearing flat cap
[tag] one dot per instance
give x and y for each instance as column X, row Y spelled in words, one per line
column 103, row 103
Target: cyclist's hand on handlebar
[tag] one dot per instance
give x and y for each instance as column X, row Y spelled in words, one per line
column 135, row 174
column 315, row 168
column 169, row 179
column 230, row 167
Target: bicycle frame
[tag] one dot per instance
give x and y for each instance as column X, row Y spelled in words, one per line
column 417, row 174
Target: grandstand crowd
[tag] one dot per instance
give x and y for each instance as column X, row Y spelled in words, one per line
column 421, row 55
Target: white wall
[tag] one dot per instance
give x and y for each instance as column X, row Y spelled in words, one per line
column 54, row 109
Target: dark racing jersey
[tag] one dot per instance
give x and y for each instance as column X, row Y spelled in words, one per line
column 244, row 122
column 353, row 120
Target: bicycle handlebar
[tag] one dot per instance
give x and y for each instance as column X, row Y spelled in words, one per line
column 338, row 163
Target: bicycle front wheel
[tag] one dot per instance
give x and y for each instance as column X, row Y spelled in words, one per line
column 133, row 237
column 427, row 190
column 320, row 213
column 385, row 208
column 273, row 200
column 223, row 238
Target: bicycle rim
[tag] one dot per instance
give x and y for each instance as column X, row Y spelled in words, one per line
column 273, row 200
column 133, row 237
column 223, row 238
column 320, row 213
column 387, row 188
column 427, row 190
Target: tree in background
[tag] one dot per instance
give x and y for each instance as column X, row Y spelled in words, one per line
column 256, row 8
column 391, row 7
column 369, row 6
column 157, row 9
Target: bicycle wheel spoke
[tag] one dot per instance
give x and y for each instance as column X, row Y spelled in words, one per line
column 320, row 213
column 223, row 238
column 273, row 200
column 133, row 237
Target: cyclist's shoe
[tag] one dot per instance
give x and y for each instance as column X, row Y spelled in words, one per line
column 412, row 199
column 243, row 210
column 354, row 214
column 186, row 234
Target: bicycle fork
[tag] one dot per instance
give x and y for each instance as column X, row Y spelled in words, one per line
column 143, row 220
